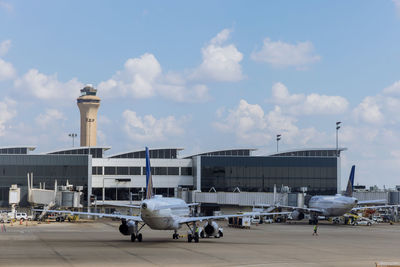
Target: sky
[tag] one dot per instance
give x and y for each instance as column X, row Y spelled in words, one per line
column 208, row 75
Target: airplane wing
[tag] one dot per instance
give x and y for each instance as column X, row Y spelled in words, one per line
column 177, row 206
column 100, row 215
column 118, row 205
column 305, row 210
column 125, row 205
column 205, row 218
column 375, row 207
column 376, row 201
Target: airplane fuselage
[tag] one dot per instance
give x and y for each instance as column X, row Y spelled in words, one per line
column 333, row 205
column 156, row 214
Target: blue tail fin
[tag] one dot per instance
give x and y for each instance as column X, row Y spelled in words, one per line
column 149, row 180
column 350, row 183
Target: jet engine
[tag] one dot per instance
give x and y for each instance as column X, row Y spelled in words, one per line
column 297, row 215
column 211, row 229
column 127, row 227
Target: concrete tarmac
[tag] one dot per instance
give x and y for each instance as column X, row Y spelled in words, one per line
column 100, row 244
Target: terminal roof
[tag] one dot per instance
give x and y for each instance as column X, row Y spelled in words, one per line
column 227, row 152
column 161, row 153
column 16, row 149
column 310, row 152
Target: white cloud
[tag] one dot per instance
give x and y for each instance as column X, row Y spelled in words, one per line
column 7, row 70
column 48, row 87
column 7, row 112
column 136, row 79
column 379, row 109
column 4, row 47
column 7, row 6
column 397, row 6
column 251, row 125
column 312, row 104
column 104, row 120
column 150, row 129
column 281, row 54
column 143, row 78
column 220, row 62
column 281, row 95
column 173, row 86
column 382, row 108
column 247, row 122
column 51, row 116
column 393, row 89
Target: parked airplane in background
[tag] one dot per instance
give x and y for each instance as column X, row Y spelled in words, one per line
column 332, row 206
column 161, row 213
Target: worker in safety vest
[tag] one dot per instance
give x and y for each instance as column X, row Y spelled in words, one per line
column 315, row 230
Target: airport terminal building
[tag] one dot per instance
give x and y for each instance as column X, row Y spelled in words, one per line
column 121, row 176
column 116, row 177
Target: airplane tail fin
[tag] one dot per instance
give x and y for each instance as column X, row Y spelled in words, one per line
column 149, row 180
column 350, row 184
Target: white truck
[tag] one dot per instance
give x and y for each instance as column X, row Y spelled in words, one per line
column 19, row 216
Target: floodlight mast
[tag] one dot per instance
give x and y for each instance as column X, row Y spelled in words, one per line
column 278, row 137
column 337, row 137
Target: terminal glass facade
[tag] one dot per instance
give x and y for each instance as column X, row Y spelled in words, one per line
column 259, row 174
column 45, row 168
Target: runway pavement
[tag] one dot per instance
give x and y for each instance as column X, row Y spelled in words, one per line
column 100, row 244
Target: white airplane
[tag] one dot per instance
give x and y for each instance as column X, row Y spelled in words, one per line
column 332, row 206
column 161, row 213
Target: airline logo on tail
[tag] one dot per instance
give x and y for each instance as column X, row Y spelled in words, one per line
column 349, row 189
column 149, row 180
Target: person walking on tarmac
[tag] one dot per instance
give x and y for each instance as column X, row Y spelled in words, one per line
column 315, row 230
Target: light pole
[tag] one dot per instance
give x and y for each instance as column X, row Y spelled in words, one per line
column 278, row 137
column 337, row 137
column 73, row 135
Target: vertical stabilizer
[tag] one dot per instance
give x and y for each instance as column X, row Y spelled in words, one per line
column 350, row 183
column 149, row 180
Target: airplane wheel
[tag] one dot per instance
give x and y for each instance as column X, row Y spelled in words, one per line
column 221, row 234
column 190, row 238
column 196, row 239
column 369, row 224
column 202, row 234
column 140, row 237
column 133, row 237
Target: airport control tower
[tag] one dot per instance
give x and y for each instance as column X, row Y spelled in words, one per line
column 88, row 104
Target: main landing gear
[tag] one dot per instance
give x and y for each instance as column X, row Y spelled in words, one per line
column 139, row 237
column 193, row 233
column 136, row 235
